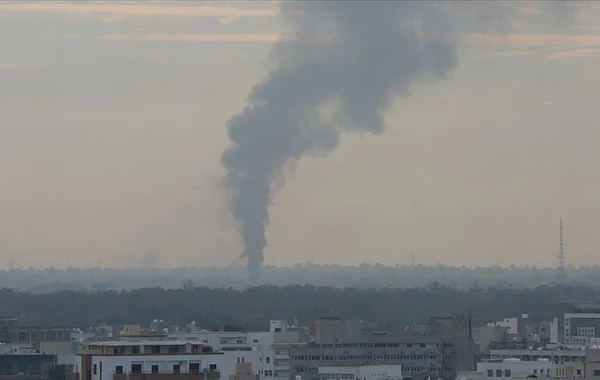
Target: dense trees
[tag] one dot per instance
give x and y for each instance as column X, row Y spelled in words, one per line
column 253, row 307
column 363, row 276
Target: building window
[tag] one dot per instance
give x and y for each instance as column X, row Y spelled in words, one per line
column 579, row 372
column 135, row 349
column 268, row 360
column 498, row 373
column 597, row 372
column 155, row 349
column 95, row 369
column 176, row 368
column 194, row 367
column 154, row 368
column 212, row 367
column 507, row 373
column 173, row 349
column 136, row 368
column 119, row 369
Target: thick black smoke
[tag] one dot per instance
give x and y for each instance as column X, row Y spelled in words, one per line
column 351, row 56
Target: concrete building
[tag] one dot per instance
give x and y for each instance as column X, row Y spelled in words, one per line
column 154, row 353
column 554, row 331
column 24, row 364
column 243, row 371
column 12, row 332
column 368, row 372
column 149, row 360
column 581, row 328
column 268, row 351
column 510, row 324
column 498, row 368
column 443, row 348
column 591, row 366
column 579, row 322
column 483, row 336
column 559, row 354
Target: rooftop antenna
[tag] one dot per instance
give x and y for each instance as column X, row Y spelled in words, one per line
column 560, row 269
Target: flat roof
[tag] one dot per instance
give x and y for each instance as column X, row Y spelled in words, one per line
column 144, row 343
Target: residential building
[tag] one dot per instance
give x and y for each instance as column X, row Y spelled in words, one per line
column 268, row 351
column 117, row 360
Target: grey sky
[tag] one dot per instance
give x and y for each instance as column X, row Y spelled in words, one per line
column 113, row 123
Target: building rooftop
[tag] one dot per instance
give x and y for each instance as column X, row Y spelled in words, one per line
column 121, row 343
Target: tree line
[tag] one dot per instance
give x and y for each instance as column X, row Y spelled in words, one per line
column 252, row 308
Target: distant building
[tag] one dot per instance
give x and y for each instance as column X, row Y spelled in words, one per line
column 591, row 367
column 368, row 372
column 445, row 347
column 559, row 354
column 580, row 323
column 24, row 364
column 499, row 368
column 510, row 324
column 243, row 371
column 12, row 332
column 483, row 336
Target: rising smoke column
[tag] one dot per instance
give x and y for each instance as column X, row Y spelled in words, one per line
column 352, row 56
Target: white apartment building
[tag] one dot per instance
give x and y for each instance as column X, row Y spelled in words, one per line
column 268, row 351
column 366, row 372
column 128, row 359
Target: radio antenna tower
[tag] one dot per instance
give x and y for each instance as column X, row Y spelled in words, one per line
column 560, row 269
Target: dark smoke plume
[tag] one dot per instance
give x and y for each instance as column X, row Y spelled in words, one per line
column 352, row 57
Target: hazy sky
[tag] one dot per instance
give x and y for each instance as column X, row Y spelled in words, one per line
column 113, row 124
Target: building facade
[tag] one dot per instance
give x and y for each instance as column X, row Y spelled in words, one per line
column 445, row 348
column 370, row 372
column 153, row 359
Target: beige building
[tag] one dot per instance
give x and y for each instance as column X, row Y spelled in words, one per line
column 591, row 366
column 243, row 371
